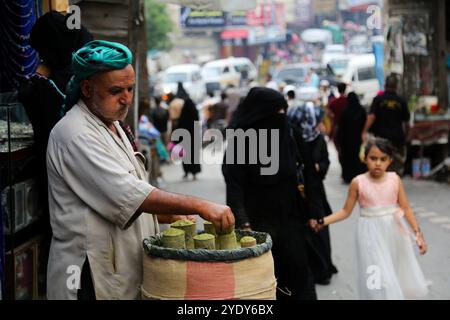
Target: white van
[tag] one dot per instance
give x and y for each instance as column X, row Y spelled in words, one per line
column 190, row 76
column 242, row 63
column 361, row 77
column 220, row 74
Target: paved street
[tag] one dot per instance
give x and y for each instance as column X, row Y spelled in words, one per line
column 430, row 200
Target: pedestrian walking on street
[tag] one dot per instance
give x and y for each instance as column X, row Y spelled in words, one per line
column 387, row 119
column 336, row 107
column 348, row 137
column 387, row 267
column 189, row 114
column 271, row 203
column 313, row 149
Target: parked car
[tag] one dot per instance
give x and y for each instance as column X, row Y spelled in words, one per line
column 222, row 73
column 190, row 76
column 242, row 63
column 295, row 73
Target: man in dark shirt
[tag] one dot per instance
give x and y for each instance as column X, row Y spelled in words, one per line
column 387, row 117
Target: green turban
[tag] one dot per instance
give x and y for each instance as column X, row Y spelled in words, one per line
column 95, row 56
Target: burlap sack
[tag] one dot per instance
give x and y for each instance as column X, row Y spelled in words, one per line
column 201, row 274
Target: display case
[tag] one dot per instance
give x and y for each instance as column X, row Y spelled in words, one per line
column 19, row 209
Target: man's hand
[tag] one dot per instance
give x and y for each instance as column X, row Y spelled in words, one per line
column 220, row 216
column 165, row 203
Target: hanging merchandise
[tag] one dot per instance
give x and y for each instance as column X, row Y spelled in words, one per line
column 415, row 34
column 394, row 46
column 19, row 59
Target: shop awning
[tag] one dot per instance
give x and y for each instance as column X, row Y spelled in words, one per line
column 234, row 34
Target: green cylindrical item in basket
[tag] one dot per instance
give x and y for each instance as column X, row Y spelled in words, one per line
column 209, row 228
column 205, row 241
column 190, row 230
column 174, row 238
column 227, row 241
column 247, row 242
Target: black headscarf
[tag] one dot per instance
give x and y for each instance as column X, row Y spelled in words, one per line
column 181, row 92
column 188, row 115
column 353, row 102
column 260, row 103
column 55, row 42
column 261, row 110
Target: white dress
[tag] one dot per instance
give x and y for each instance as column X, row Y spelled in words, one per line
column 387, row 267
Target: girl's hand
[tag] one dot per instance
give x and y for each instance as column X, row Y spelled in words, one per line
column 315, row 225
column 420, row 241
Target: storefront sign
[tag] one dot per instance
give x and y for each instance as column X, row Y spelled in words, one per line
column 260, row 35
column 219, row 5
column 190, row 18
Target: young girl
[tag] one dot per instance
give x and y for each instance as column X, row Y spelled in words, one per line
column 387, row 266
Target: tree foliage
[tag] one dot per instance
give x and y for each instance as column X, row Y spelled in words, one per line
column 159, row 25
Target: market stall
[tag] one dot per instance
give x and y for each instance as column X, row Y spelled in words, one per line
column 415, row 49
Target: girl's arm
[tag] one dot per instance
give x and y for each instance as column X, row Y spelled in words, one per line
column 346, row 211
column 409, row 216
column 341, row 214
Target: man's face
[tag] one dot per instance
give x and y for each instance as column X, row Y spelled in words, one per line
column 109, row 94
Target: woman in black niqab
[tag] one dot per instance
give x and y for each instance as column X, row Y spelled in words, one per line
column 351, row 125
column 189, row 114
column 181, row 92
column 271, row 203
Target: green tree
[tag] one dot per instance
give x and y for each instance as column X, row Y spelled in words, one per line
column 159, row 25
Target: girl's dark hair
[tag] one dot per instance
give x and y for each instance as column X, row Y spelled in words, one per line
column 384, row 145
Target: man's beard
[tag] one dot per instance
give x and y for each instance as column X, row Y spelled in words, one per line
column 119, row 115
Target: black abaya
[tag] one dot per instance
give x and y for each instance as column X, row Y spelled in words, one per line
column 189, row 114
column 271, row 203
column 349, row 133
column 319, row 247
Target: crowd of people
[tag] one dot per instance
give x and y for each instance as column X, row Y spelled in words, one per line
column 283, row 203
